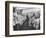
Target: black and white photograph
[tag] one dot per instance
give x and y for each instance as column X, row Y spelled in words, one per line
column 25, row 18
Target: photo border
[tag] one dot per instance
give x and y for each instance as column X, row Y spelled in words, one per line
column 7, row 17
